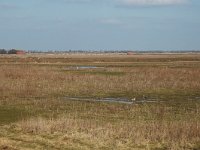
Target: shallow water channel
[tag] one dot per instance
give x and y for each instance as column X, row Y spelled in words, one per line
column 115, row 100
column 82, row 67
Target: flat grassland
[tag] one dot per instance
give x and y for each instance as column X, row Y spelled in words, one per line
column 36, row 111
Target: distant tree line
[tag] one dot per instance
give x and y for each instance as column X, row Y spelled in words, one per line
column 12, row 51
column 3, row 51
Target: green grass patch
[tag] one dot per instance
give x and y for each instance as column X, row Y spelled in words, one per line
column 97, row 72
column 9, row 114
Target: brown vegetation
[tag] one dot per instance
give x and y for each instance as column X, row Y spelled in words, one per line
column 34, row 81
column 33, row 94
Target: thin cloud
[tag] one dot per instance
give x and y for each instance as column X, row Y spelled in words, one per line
column 77, row 1
column 129, row 2
column 111, row 21
column 151, row 2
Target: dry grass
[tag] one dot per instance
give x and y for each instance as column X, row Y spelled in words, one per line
column 174, row 135
column 102, row 126
column 33, row 81
column 34, row 89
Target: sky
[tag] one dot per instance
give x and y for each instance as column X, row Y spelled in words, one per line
column 100, row 24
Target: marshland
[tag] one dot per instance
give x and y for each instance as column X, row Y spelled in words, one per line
column 62, row 101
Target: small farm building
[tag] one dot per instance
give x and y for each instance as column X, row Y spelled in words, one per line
column 130, row 53
column 19, row 52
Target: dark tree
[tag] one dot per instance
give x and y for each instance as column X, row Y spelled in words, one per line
column 12, row 51
column 3, row 51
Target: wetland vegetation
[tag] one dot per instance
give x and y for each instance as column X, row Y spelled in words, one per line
column 37, row 110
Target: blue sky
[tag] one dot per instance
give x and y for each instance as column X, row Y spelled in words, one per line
column 100, row 24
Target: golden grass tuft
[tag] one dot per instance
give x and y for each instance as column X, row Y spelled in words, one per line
column 172, row 134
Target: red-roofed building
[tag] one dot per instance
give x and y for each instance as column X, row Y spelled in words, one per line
column 20, row 52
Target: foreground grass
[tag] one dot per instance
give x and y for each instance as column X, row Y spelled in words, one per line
column 35, row 113
column 62, row 124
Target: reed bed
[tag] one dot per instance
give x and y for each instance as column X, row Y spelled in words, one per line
column 38, row 115
column 33, row 81
column 105, row 126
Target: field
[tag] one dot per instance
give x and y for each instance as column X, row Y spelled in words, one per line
column 57, row 101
